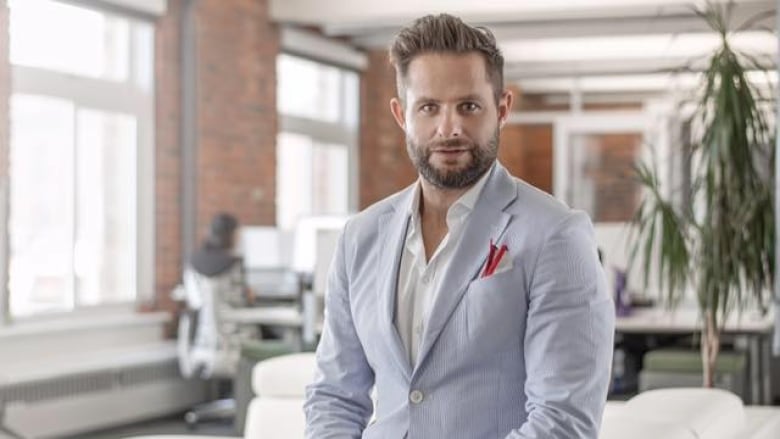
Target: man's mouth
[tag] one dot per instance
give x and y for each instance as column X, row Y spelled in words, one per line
column 450, row 151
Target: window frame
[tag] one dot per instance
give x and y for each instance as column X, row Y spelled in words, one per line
column 330, row 132
column 653, row 126
column 101, row 95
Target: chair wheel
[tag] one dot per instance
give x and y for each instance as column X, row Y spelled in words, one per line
column 191, row 418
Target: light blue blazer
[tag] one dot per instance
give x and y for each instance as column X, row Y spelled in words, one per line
column 525, row 353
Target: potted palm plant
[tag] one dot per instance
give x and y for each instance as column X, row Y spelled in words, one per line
column 721, row 242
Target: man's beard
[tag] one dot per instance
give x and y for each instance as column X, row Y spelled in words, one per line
column 482, row 158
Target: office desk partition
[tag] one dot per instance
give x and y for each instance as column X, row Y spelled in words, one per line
column 753, row 328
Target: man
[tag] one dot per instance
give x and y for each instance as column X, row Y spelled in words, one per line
column 472, row 302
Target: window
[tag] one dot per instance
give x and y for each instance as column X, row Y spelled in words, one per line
column 80, row 203
column 594, row 155
column 317, row 143
column 77, row 40
column 601, row 170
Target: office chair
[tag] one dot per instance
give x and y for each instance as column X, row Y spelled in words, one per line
column 208, row 347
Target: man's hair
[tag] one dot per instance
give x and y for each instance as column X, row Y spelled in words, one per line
column 446, row 34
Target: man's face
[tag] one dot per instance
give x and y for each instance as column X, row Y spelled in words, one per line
column 450, row 118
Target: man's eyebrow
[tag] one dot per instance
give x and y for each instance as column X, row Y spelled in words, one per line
column 468, row 97
column 425, row 99
column 471, row 97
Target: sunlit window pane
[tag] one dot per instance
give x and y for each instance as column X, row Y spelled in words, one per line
column 294, row 178
column 352, row 99
column 66, row 38
column 313, row 151
column 312, row 178
column 330, row 165
column 105, row 234
column 75, row 209
column 41, row 205
column 308, row 89
column 143, row 56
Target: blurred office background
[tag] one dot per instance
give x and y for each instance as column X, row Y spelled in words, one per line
column 126, row 125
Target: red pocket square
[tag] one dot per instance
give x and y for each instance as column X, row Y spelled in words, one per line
column 494, row 258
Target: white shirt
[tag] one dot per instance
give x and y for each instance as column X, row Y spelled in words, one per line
column 418, row 279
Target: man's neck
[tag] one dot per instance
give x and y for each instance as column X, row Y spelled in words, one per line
column 435, row 202
column 434, row 205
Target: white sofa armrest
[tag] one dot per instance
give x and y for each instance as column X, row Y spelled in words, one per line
column 285, row 376
column 679, row 412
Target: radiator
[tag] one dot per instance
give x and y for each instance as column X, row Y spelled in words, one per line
column 63, row 406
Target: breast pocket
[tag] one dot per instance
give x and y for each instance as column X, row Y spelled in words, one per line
column 495, row 310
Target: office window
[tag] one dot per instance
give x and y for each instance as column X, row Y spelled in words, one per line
column 594, row 155
column 317, row 142
column 81, row 131
column 76, row 40
column 602, row 176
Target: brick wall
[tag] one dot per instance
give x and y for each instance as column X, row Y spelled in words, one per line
column 167, row 155
column 236, row 110
column 236, row 124
column 384, row 164
column 526, row 151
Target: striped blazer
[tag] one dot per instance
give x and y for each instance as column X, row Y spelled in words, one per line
column 525, row 353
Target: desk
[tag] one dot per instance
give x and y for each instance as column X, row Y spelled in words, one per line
column 285, row 316
column 289, row 317
column 755, row 329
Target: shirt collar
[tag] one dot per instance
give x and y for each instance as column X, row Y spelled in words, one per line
column 459, row 209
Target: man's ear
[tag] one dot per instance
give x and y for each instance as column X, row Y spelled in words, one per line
column 398, row 112
column 505, row 107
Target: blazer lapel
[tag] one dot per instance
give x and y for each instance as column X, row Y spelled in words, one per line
column 487, row 221
column 392, row 228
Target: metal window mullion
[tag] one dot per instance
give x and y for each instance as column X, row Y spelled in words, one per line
column 188, row 127
column 74, row 207
column 132, row 62
column 5, row 245
column 353, row 183
column 351, row 142
column 776, row 342
column 326, row 132
column 118, row 97
column 342, row 98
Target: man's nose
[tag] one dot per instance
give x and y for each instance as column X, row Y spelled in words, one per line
column 450, row 125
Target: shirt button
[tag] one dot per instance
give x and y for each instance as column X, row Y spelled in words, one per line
column 416, row 397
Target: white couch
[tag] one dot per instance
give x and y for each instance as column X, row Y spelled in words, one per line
column 277, row 410
column 688, row 413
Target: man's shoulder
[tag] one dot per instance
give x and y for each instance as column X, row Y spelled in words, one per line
column 535, row 209
column 368, row 217
column 532, row 199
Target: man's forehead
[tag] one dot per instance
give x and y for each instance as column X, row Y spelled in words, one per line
column 466, row 63
column 459, row 73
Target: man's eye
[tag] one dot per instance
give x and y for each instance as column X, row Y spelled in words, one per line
column 470, row 107
column 428, row 108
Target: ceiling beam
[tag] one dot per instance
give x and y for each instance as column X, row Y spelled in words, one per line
column 568, row 69
column 645, row 83
column 365, row 37
column 372, row 15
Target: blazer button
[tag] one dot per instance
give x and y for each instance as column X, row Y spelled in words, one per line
column 416, row 397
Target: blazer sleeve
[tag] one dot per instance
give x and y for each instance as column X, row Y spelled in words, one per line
column 569, row 336
column 338, row 404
